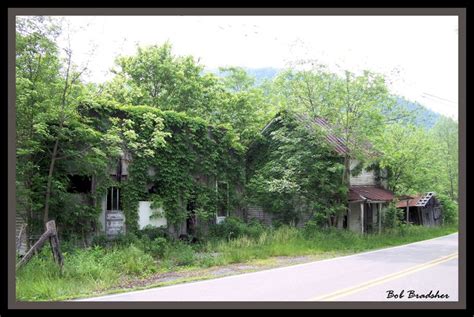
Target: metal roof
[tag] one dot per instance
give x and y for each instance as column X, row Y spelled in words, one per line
column 424, row 200
column 417, row 201
column 373, row 193
column 337, row 143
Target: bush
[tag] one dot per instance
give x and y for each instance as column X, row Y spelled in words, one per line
column 311, row 227
column 179, row 253
column 153, row 232
column 125, row 240
column 233, row 227
column 100, row 240
column 156, row 247
column 393, row 217
column 450, row 209
column 130, row 261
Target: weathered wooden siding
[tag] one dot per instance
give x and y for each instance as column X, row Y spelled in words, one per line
column 364, row 178
column 20, row 240
column 353, row 217
column 257, row 212
column 303, row 219
column 431, row 213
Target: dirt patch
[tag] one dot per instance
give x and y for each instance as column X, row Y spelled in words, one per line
column 218, row 271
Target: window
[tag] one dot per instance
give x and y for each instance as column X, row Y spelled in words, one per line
column 113, row 199
column 79, row 184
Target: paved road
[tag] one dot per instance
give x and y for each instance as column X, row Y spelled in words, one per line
column 421, row 267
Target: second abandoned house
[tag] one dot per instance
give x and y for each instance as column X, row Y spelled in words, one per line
column 367, row 197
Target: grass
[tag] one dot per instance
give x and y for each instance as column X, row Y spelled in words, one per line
column 101, row 270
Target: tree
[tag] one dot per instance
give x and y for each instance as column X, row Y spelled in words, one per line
column 155, row 77
column 446, row 134
column 353, row 105
column 54, row 139
column 37, row 78
column 236, row 79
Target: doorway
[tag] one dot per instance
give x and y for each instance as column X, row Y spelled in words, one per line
column 368, row 217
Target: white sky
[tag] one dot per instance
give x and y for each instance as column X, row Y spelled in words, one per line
column 419, row 54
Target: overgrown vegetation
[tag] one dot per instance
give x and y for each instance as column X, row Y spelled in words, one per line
column 185, row 131
column 102, row 267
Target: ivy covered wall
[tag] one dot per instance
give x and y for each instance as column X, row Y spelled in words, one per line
column 175, row 161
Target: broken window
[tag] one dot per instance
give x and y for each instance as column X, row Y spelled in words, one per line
column 79, row 184
column 152, row 189
column 114, row 201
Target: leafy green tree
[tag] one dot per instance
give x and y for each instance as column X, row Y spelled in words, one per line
column 155, row 77
column 236, row 79
column 54, row 139
column 355, row 106
column 446, row 135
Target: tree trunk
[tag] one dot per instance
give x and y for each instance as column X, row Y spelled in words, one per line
column 50, row 180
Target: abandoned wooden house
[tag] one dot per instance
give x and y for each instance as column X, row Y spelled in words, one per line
column 424, row 209
column 368, row 196
column 197, row 172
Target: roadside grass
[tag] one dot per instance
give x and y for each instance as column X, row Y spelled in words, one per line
column 99, row 270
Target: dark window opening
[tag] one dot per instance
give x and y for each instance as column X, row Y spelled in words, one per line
column 344, row 222
column 222, row 199
column 153, row 189
column 191, row 220
column 79, row 184
column 114, row 201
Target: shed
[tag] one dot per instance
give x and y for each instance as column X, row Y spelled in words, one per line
column 422, row 209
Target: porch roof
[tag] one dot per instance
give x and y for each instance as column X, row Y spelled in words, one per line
column 411, row 202
column 374, row 193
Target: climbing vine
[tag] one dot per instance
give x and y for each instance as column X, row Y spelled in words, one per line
column 175, row 162
column 293, row 173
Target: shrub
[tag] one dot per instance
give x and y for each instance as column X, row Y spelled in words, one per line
column 125, row 239
column 233, row 227
column 156, row 247
column 153, row 232
column 393, row 217
column 179, row 253
column 311, row 227
column 100, row 240
column 130, row 261
column 450, row 209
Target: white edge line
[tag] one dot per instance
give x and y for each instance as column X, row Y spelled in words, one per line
column 262, row 271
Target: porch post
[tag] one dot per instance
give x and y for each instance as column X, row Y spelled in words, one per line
column 362, row 216
column 408, row 213
column 380, row 217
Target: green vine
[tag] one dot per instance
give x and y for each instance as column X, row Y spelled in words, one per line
column 176, row 161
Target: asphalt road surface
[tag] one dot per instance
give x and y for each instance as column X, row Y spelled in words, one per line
column 421, row 271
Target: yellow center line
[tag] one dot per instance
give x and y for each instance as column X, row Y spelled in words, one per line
column 384, row 279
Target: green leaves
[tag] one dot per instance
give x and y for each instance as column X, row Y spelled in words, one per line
column 292, row 176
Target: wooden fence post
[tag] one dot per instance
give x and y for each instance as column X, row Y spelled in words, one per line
column 54, row 241
column 50, row 233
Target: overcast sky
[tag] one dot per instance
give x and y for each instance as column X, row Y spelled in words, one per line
column 419, row 54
